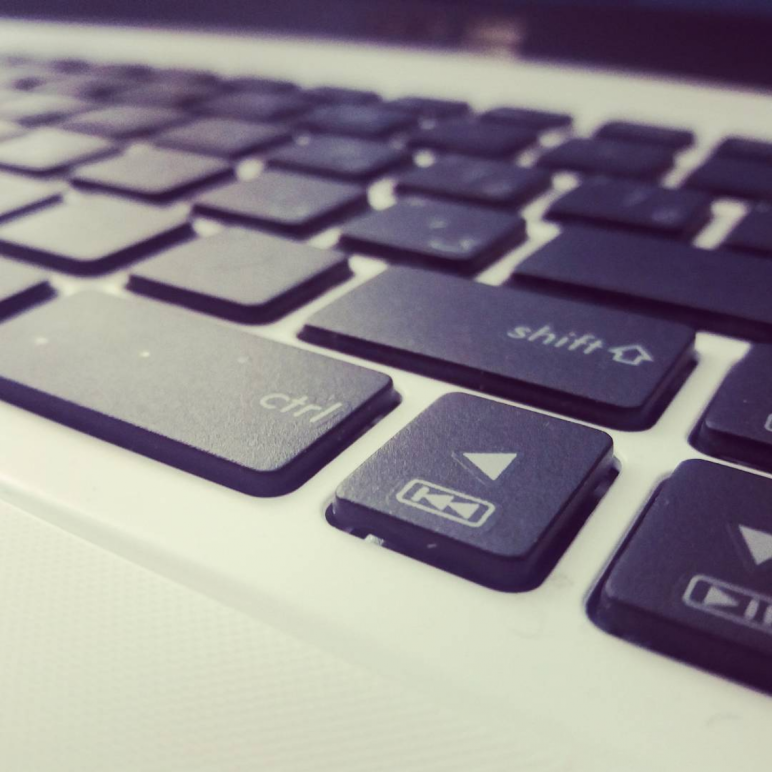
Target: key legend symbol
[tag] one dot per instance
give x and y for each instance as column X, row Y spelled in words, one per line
column 445, row 502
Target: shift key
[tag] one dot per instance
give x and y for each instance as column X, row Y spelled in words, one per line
column 606, row 366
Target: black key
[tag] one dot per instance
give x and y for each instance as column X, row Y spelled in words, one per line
column 539, row 120
column 692, row 580
column 21, row 287
column 286, row 203
column 92, row 235
column 481, row 139
column 609, row 157
column 260, row 85
column 639, row 206
column 431, row 108
column 20, row 194
column 223, row 137
column 124, row 121
column 606, row 366
column 167, row 94
column 437, row 233
column 256, row 106
column 359, row 120
column 730, row 177
column 240, row 275
column 753, row 233
column 153, row 174
column 721, row 291
column 738, row 422
column 745, row 149
column 48, row 151
column 124, row 70
column 677, row 139
column 85, row 86
column 249, row 413
column 484, row 490
column 35, row 109
column 342, row 96
column 343, row 157
column 476, row 181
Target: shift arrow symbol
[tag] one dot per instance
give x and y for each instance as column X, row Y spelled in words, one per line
column 492, row 465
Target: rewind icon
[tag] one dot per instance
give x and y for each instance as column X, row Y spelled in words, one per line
column 445, row 502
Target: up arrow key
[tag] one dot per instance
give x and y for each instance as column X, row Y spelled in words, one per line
column 492, row 465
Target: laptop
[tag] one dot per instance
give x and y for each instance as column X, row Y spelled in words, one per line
column 385, row 386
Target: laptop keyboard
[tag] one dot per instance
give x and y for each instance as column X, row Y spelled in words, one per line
column 207, row 189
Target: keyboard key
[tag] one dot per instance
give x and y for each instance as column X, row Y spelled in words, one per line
column 730, row 177
column 343, row 157
column 166, row 94
column 19, row 194
column 92, row 235
column 286, row 203
column 439, row 234
column 21, row 287
column 477, row 181
column 123, row 70
column 744, row 149
column 538, row 120
column 676, row 139
column 479, row 139
column 256, row 106
column 692, row 579
column 738, row 422
column 368, row 121
column 85, row 86
column 484, row 490
column 610, row 367
column 431, row 108
column 721, row 291
column 342, row 96
column 639, row 206
column 753, row 233
column 265, row 418
column 48, row 151
column 240, row 275
column 153, row 174
column 609, row 157
column 124, row 121
column 35, row 109
column 223, row 137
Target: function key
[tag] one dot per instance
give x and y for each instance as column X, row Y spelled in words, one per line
column 20, row 194
column 677, row 139
column 609, row 157
column 752, row 234
column 436, row 233
column 21, row 287
column 478, row 488
column 679, row 213
column 35, row 109
column 368, row 121
column 47, row 151
column 223, row 137
column 745, row 149
column 470, row 138
column 477, row 181
column 240, row 275
column 735, row 178
column 124, row 121
column 255, row 106
column 342, row 96
column 692, row 579
column 431, row 108
column 539, row 120
column 738, row 422
column 286, row 203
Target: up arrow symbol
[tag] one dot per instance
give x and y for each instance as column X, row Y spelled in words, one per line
column 634, row 354
column 492, row 465
column 759, row 544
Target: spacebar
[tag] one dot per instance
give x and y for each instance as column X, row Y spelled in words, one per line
column 253, row 414
column 710, row 289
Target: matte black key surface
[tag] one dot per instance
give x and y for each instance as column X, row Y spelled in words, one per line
column 368, row 121
column 735, row 178
column 431, row 108
column 21, row 287
column 639, row 206
column 20, row 194
column 343, row 157
column 249, row 413
column 49, row 150
column 438, row 233
column 240, row 275
column 609, row 157
column 738, row 422
column 223, row 137
column 607, row 366
column 476, row 180
column 478, row 488
column 286, row 203
column 124, row 121
column 745, row 149
column 343, row 96
column 35, row 109
column 540, row 120
column 692, row 580
column 155, row 174
column 253, row 106
column 713, row 290
column 677, row 139
column 753, row 233
column 480, row 139
column 91, row 235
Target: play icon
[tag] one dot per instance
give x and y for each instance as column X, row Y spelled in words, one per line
column 492, row 465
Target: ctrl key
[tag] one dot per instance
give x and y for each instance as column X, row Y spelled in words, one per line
column 488, row 491
column 693, row 580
